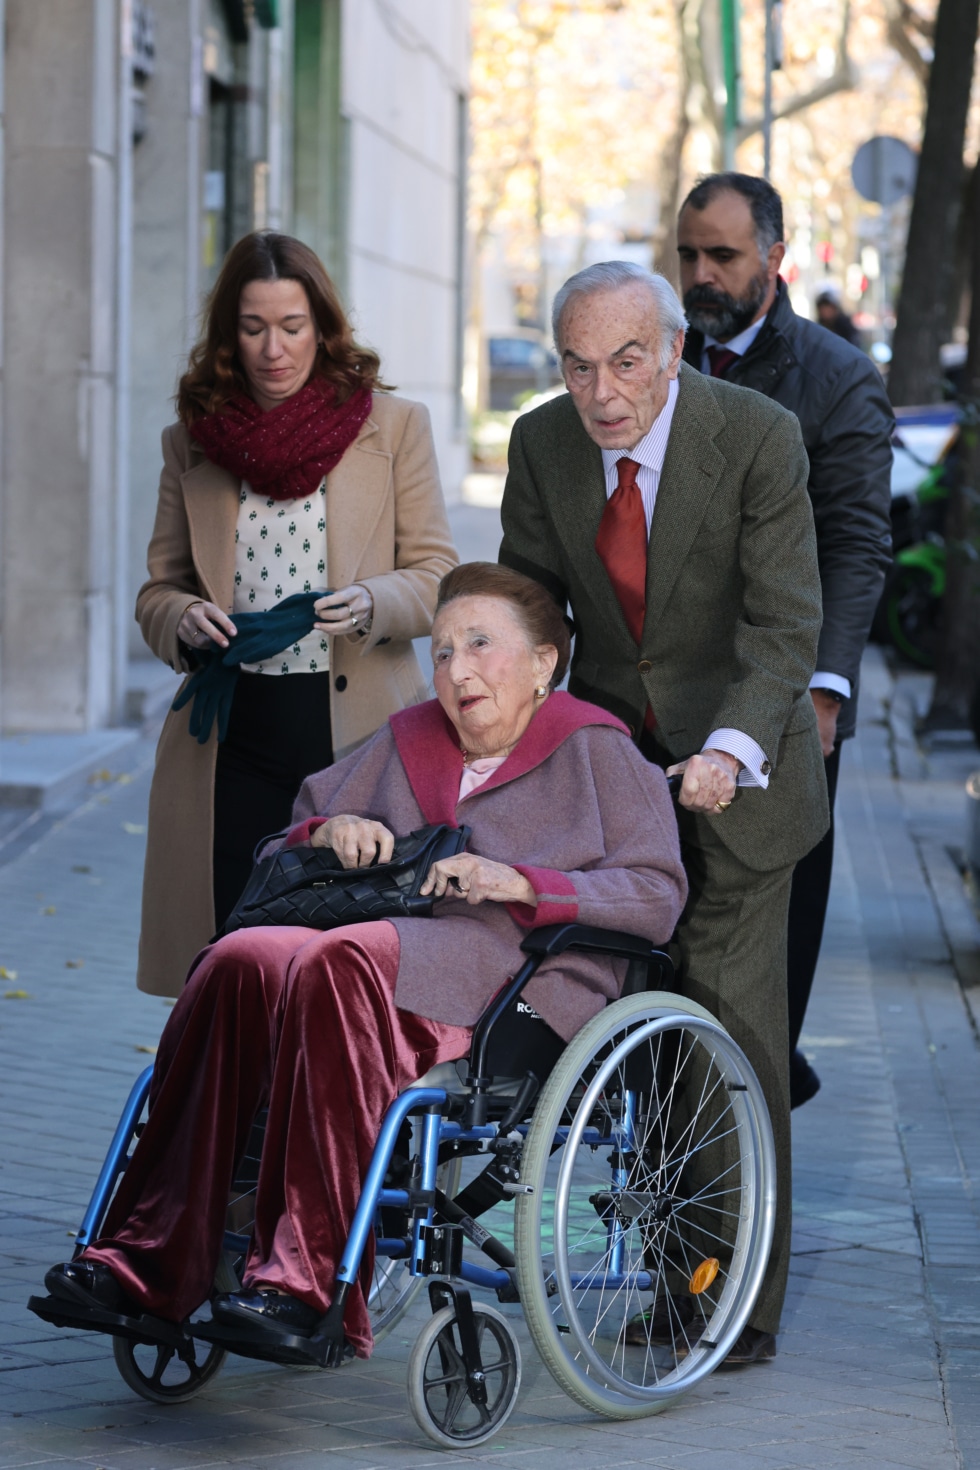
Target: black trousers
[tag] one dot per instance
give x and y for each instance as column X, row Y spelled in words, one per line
column 808, row 910
column 278, row 734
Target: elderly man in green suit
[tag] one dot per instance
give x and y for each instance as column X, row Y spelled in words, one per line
column 670, row 511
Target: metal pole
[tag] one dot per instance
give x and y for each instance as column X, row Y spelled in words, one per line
column 767, row 98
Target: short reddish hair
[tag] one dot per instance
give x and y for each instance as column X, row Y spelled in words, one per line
column 536, row 610
column 214, row 374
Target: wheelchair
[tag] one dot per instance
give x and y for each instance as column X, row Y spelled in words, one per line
column 630, row 1170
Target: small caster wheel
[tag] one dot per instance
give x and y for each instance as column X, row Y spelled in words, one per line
column 163, row 1375
column 438, row 1393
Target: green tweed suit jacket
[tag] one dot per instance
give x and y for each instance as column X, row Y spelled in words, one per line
column 733, row 607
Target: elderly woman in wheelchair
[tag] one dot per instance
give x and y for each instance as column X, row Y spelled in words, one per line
column 570, row 827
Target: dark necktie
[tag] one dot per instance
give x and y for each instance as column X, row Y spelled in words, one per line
column 720, row 360
column 622, row 545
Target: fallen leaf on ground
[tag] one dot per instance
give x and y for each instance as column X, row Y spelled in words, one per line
column 80, row 868
column 151, row 1051
column 6, row 974
column 124, row 780
column 50, row 909
column 16, row 995
column 74, row 964
column 133, row 828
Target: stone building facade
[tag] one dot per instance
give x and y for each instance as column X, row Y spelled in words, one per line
column 139, row 141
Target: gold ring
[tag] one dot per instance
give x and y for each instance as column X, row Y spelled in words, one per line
column 722, row 806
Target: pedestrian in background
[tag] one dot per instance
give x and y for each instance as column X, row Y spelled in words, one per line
column 743, row 329
column 291, row 468
column 831, row 314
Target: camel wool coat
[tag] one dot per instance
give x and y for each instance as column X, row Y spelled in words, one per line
column 574, row 807
column 386, row 529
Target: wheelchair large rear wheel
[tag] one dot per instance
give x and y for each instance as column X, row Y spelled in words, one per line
column 651, row 1162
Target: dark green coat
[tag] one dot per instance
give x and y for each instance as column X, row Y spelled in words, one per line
column 733, row 593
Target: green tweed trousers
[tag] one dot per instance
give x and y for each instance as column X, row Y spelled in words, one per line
column 731, row 953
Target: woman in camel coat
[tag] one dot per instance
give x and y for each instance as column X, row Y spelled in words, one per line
column 387, row 544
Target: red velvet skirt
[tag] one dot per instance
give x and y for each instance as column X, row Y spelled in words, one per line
column 303, row 1023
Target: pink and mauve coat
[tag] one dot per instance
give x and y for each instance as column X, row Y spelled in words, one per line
column 574, row 807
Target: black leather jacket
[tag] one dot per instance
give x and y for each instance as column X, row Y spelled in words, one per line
column 837, row 394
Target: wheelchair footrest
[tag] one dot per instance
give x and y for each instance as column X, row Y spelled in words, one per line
column 143, row 1329
column 288, row 1349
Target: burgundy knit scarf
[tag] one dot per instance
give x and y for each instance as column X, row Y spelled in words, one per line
column 284, row 452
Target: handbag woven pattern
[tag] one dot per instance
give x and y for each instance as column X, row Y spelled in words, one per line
column 308, row 886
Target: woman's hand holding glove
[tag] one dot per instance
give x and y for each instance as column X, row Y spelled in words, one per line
column 348, row 610
column 204, row 623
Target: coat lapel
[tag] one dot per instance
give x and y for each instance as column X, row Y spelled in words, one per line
column 693, row 465
column 211, row 500
column 356, row 492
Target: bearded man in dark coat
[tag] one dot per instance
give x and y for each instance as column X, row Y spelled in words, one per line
column 743, row 329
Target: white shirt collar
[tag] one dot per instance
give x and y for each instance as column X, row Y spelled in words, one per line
column 653, row 446
column 740, row 344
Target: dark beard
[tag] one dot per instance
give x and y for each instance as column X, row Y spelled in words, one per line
column 726, row 316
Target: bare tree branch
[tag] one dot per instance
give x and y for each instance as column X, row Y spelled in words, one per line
column 842, row 79
column 901, row 24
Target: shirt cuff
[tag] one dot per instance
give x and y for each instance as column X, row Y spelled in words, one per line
column 743, row 747
column 836, row 682
column 557, row 899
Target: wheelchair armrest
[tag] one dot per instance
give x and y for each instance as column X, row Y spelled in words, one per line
column 553, row 939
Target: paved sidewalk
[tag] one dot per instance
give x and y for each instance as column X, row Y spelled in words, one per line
column 879, row 1360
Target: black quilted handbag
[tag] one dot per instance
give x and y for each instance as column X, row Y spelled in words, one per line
column 308, row 886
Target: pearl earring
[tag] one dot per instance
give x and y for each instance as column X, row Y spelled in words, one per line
column 540, row 691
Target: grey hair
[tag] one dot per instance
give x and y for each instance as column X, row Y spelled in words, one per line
column 611, row 275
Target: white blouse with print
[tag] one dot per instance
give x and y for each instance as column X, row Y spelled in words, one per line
column 281, row 548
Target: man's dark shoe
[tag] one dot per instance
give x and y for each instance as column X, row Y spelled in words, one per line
column 661, row 1325
column 90, row 1284
column 803, row 1080
column 266, row 1311
column 751, row 1346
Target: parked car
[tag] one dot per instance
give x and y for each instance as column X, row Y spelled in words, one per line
column 520, row 362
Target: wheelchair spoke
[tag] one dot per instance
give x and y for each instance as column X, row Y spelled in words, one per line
column 164, row 1358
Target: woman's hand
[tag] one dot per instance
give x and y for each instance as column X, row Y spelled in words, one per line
column 203, row 621
column 344, row 611
column 355, row 840
column 477, row 879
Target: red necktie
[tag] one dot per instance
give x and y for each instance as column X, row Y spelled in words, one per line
column 720, row 360
column 622, row 545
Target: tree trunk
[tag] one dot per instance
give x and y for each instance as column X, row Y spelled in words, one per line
column 924, row 311
column 959, row 664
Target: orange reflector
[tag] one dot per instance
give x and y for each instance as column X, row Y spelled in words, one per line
column 704, row 1275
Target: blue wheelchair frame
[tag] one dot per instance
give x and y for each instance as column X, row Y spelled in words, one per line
column 427, row 1248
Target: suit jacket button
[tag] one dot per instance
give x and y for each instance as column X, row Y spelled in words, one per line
column 644, row 666
column 765, row 768
column 340, row 683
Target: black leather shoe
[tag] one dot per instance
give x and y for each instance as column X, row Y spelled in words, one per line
column 661, row 1325
column 751, row 1346
column 803, row 1080
column 266, row 1311
column 91, row 1285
